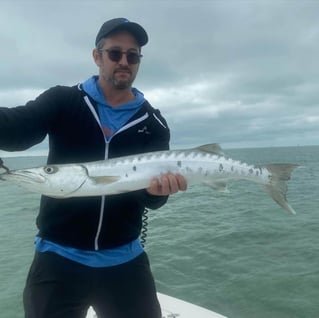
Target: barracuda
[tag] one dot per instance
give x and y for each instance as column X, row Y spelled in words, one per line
column 202, row 165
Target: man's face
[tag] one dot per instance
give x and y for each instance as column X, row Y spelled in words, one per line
column 119, row 74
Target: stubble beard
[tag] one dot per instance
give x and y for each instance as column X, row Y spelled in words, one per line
column 119, row 83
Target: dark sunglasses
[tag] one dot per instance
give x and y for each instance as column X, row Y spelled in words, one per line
column 116, row 55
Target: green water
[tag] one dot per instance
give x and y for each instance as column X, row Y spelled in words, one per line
column 238, row 254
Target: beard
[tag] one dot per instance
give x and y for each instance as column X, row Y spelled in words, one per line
column 120, row 82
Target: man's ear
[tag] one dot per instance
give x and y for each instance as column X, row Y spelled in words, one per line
column 96, row 57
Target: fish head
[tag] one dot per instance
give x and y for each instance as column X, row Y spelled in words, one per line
column 51, row 180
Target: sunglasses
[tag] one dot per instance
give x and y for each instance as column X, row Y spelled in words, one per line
column 115, row 55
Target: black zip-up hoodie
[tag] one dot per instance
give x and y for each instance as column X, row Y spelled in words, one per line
column 70, row 118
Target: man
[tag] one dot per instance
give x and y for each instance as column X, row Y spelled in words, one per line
column 87, row 249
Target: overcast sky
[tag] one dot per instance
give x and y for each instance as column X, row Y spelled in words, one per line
column 240, row 73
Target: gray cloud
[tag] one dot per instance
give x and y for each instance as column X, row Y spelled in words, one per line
column 241, row 73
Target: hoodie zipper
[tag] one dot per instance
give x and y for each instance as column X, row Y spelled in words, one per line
column 106, row 155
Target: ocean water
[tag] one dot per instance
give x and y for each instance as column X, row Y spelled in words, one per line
column 238, row 254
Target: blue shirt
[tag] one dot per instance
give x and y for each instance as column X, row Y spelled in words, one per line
column 112, row 118
column 100, row 258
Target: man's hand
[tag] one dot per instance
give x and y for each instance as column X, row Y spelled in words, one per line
column 167, row 184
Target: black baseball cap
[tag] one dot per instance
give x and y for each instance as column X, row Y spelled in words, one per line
column 119, row 24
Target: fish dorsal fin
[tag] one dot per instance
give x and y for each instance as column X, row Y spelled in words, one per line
column 211, row 148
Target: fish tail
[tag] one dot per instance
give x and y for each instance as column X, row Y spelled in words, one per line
column 277, row 186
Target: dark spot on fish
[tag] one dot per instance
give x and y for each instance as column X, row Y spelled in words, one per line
column 179, row 163
column 232, row 168
column 188, row 169
column 134, row 168
column 251, row 171
column 221, row 168
column 126, row 175
column 257, row 173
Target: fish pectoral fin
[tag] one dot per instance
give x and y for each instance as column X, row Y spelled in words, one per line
column 105, row 179
column 220, row 186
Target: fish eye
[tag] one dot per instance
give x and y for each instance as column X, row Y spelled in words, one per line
column 50, row 169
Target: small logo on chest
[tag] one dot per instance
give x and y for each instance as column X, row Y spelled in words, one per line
column 144, row 130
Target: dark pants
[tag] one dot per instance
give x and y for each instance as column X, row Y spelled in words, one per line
column 60, row 288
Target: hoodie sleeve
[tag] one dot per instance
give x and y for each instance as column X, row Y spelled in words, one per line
column 24, row 126
column 152, row 201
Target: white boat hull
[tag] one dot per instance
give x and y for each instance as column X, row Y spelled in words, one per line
column 173, row 308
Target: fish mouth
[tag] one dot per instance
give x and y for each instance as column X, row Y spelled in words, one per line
column 24, row 176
